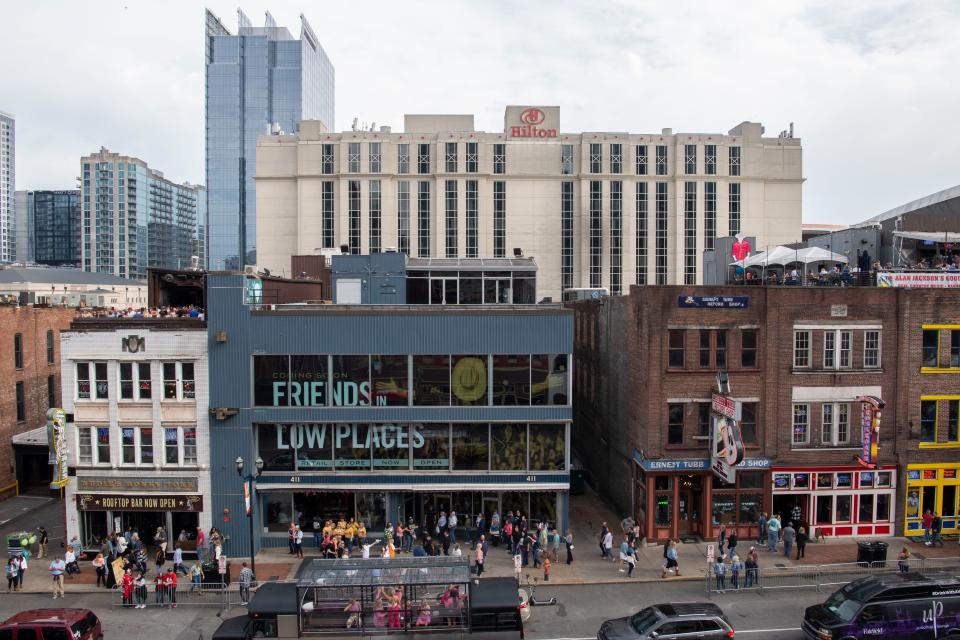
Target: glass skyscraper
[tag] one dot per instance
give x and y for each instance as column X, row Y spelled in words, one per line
column 259, row 81
column 7, row 187
column 48, row 227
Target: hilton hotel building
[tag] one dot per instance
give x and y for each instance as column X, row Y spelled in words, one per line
column 605, row 209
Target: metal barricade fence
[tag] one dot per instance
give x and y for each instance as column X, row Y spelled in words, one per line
column 187, row 594
column 820, row 575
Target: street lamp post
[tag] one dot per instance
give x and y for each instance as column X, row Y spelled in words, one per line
column 250, row 499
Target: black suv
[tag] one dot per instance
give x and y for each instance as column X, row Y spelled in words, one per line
column 680, row 621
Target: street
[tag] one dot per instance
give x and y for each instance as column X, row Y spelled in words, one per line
column 581, row 610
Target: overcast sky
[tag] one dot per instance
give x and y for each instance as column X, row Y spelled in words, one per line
column 871, row 86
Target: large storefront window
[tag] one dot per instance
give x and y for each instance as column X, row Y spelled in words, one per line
column 273, row 446
column 435, row 452
column 549, row 379
column 350, row 451
column 511, row 380
column 314, row 445
column 509, row 442
column 468, row 380
column 431, row 381
column 270, row 375
column 371, row 509
column 391, row 446
column 934, row 488
column 547, row 447
column 278, row 507
column 543, row 507
column 389, row 376
column 739, row 503
column 308, row 381
column 351, row 381
column 470, row 447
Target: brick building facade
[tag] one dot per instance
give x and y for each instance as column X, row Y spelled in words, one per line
column 797, row 360
column 30, row 375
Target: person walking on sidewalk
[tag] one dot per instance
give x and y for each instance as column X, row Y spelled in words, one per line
column 479, row 557
column 603, row 534
column 42, row 539
column 936, row 526
column 671, row 559
column 631, row 561
column 773, row 532
column 160, row 560
column 178, row 561
column 298, row 542
column 246, row 579
column 13, row 570
column 732, row 544
column 753, row 568
column 903, row 560
column 721, row 540
column 927, row 522
column 624, row 547
column 100, row 566
column 608, row 546
column 21, row 571
column 57, row 567
column 802, row 538
column 720, row 571
column 762, row 529
column 568, row 539
column 517, row 568
column 789, row 537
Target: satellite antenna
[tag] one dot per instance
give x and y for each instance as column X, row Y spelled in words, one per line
column 354, row 127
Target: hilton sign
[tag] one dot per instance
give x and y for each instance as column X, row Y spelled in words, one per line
column 532, row 122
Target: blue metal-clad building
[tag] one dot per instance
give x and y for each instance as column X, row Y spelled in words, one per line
column 385, row 412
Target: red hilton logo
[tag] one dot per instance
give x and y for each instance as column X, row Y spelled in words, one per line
column 530, row 118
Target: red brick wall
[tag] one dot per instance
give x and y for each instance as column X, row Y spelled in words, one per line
column 32, row 323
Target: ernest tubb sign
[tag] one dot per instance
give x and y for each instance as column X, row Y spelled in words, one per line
column 532, row 122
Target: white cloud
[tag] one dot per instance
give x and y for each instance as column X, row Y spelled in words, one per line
column 869, row 84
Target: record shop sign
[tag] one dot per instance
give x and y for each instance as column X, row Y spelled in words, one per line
column 148, row 484
column 713, row 302
column 114, row 502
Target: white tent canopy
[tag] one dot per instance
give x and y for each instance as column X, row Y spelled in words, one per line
column 782, row 256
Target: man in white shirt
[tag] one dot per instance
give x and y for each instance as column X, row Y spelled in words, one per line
column 366, row 548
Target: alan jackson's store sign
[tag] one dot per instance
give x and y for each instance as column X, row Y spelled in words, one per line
column 109, row 502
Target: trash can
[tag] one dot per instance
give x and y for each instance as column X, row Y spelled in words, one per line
column 879, row 554
column 864, row 553
column 578, row 484
column 872, row 554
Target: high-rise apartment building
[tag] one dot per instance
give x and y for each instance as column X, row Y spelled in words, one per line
column 595, row 209
column 257, row 81
column 134, row 218
column 48, row 227
column 7, row 187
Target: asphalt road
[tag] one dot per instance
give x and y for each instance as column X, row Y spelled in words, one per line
column 582, row 608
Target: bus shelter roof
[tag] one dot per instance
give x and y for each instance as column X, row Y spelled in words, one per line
column 358, row 572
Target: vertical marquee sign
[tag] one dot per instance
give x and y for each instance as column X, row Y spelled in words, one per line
column 57, row 446
column 726, row 451
column 871, row 407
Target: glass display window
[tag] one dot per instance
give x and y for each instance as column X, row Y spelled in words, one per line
column 434, row 450
column 549, row 379
column 801, row 481
column 471, row 450
column 511, row 380
column 350, row 386
column 431, row 380
column 270, row 375
column 468, row 380
column 844, row 480
column 509, row 447
column 781, row 481
column 390, row 377
column 824, row 481
column 548, row 447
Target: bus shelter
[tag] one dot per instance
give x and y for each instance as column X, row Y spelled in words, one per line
column 384, row 595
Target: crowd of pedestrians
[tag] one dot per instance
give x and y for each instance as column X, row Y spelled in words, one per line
column 141, row 313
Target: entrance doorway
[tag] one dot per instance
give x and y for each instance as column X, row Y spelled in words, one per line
column 690, row 505
column 144, row 523
column 786, row 506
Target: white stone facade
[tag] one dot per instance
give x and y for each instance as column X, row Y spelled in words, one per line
column 551, row 194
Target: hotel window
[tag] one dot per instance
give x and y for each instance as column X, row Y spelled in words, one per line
column 748, row 422
column 835, row 424
column 661, row 159
column 473, row 161
column 566, row 159
column 499, row 219
column 616, row 158
column 801, row 424
column 675, row 424
column 704, row 348
column 690, row 233
column 93, row 445
column 661, row 230
column 596, row 232
column 18, row 350
column 328, row 214
column 375, row 157
column 471, row 218
column 641, row 161
column 690, row 159
column 928, row 421
column 734, row 208
column 353, row 199
column 375, row 216
column 21, row 403
column 423, row 219
column 675, row 355
column 748, row 348
column 450, row 156
column 403, row 158
column 423, row 158
column 566, row 222
column 709, row 215
column 834, row 358
column 734, row 161
column 136, row 445
column 801, row 348
column 710, row 159
column 641, row 248
column 50, row 353
column 721, row 354
column 931, row 348
column 500, row 158
column 596, row 158
column 616, row 236
column 871, row 349
column 403, row 217
column 326, row 159
column 178, row 381
column 96, row 388
column 450, row 200
column 353, row 157
column 135, row 382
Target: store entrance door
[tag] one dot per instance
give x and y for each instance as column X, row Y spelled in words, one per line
column 144, row 523
column 690, row 506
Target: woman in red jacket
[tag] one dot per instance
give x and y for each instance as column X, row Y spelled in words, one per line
column 127, row 586
column 170, row 583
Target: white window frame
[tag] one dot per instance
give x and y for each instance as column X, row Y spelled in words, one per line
column 186, row 453
column 837, row 356
column 794, row 424
column 797, row 333
column 94, row 458
column 182, row 393
column 138, row 446
column 94, row 393
column 839, row 412
column 877, row 349
column 135, row 379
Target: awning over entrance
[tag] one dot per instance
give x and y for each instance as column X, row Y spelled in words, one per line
column 930, row 236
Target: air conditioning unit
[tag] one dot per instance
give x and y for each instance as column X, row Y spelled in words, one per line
column 250, row 269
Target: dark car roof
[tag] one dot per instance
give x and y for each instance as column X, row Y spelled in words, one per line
column 494, row 594
column 48, row 615
column 689, row 609
column 869, row 587
column 232, row 629
column 274, row 598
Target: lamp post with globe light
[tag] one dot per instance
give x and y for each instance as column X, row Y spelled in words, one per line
column 249, row 499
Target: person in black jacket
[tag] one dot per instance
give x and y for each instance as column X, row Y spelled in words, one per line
column 802, row 538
